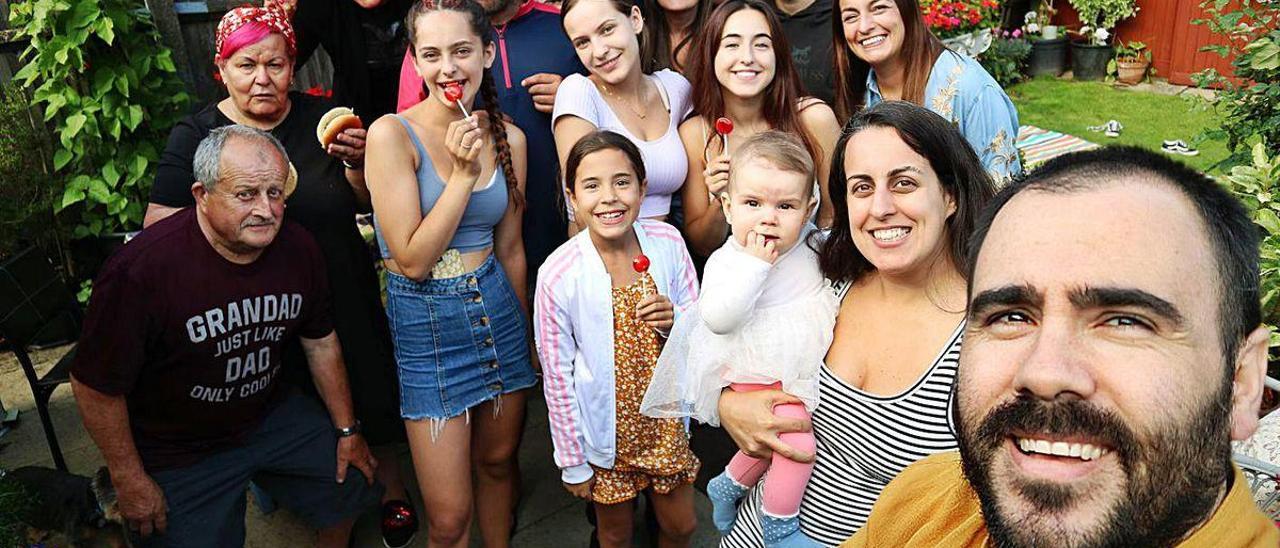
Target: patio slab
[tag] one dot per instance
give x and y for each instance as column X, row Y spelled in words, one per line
column 548, row 515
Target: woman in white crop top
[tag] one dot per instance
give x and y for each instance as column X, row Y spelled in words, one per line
column 620, row 95
column 742, row 70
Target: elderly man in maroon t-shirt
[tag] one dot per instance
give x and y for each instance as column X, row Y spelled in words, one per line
column 178, row 365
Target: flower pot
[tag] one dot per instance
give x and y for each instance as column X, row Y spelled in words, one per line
column 1047, row 57
column 1089, row 62
column 1050, row 32
column 972, row 44
column 1131, row 72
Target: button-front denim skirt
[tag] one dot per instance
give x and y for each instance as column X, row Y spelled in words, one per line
column 459, row 341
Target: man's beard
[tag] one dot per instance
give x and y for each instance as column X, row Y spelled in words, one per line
column 1172, row 481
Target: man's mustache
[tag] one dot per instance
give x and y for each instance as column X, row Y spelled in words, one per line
column 1026, row 416
column 258, row 221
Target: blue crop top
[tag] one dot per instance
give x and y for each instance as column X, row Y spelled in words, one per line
column 484, row 209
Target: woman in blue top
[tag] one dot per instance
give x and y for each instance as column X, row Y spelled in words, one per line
column 448, row 194
column 885, row 52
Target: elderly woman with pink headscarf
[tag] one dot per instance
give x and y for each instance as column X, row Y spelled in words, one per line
column 255, row 51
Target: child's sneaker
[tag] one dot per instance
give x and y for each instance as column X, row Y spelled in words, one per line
column 1112, row 129
column 724, row 493
column 1179, row 147
column 784, row 533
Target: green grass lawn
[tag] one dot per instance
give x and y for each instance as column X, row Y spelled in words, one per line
column 1148, row 118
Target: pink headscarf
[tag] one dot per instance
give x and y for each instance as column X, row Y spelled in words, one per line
column 246, row 26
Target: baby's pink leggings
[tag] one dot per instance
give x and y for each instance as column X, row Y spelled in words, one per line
column 787, row 478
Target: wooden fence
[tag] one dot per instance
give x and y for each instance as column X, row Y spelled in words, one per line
column 1166, row 27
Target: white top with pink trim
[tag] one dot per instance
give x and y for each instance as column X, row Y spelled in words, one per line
column 573, row 326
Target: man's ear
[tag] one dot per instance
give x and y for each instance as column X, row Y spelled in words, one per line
column 1248, row 382
column 199, row 192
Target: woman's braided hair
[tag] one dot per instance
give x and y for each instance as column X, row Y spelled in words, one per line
column 479, row 23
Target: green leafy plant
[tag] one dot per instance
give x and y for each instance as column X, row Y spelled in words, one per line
column 1250, row 105
column 1257, row 184
column 1006, row 59
column 1132, row 51
column 26, row 202
column 1129, row 52
column 110, row 92
column 1099, row 17
column 15, row 503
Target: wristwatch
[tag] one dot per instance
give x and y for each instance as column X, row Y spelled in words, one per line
column 348, row 431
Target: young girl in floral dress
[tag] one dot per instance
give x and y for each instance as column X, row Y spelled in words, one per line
column 605, row 301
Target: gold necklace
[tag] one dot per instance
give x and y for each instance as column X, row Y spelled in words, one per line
column 640, row 113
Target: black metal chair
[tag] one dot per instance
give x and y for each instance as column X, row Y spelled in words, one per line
column 33, row 300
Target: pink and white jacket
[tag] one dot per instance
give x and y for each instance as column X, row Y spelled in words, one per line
column 573, row 326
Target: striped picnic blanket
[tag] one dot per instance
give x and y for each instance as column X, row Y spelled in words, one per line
column 1039, row 145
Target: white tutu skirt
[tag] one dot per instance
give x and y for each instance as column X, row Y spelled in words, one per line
column 784, row 343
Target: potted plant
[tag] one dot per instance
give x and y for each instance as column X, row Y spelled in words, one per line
column 1090, row 55
column 1131, row 63
column 1048, row 50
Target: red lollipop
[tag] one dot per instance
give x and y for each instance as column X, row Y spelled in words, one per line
column 453, row 92
column 724, row 127
column 640, row 263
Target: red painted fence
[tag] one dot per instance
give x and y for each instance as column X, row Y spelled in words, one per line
column 1165, row 27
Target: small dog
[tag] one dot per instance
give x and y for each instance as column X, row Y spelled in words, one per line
column 70, row 510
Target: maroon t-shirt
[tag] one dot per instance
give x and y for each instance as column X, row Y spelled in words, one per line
column 193, row 341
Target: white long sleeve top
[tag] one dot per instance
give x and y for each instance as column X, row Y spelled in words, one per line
column 573, row 327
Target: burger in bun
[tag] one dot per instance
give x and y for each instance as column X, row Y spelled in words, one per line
column 291, row 183
column 336, row 121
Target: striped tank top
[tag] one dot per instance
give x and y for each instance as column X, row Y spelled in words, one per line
column 864, row 441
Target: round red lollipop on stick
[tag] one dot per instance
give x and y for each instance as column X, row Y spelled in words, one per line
column 724, row 127
column 453, row 92
column 640, row 263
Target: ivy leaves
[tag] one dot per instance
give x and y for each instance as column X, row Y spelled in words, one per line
column 110, row 92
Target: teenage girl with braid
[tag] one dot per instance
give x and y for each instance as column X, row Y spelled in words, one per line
column 448, row 194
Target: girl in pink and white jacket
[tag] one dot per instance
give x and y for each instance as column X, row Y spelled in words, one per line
column 605, row 302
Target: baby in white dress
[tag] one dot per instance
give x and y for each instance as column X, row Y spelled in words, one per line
column 764, row 320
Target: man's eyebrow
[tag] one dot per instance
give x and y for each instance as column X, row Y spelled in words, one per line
column 1097, row 297
column 1004, row 296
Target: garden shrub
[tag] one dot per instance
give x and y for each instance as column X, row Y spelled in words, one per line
column 1006, row 59
column 1257, row 184
column 26, row 197
column 1250, row 107
column 110, row 92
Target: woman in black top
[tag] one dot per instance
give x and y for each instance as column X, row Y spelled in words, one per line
column 365, row 43
column 255, row 58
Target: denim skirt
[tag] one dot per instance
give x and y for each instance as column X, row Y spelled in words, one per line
column 458, row 341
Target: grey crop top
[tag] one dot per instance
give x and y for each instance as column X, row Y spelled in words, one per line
column 484, row 209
